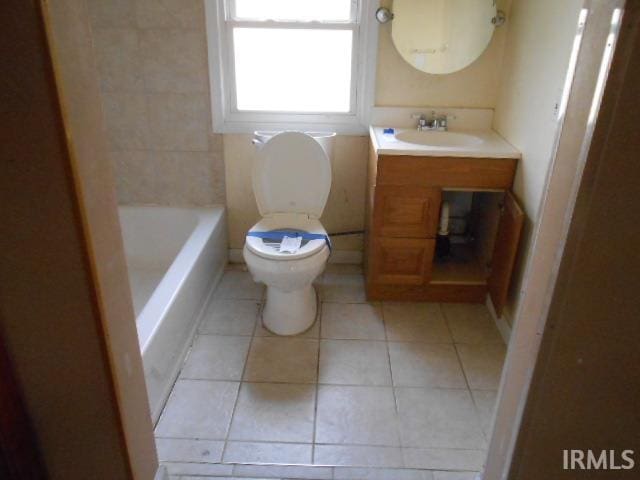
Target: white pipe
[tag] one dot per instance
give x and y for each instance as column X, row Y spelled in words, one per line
column 444, row 219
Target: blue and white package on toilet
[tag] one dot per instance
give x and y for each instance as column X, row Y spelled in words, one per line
column 282, row 234
column 290, row 244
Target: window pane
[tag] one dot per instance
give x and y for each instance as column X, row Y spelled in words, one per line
column 302, row 10
column 293, row 70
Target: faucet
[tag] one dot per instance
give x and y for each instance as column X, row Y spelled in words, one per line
column 438, row 122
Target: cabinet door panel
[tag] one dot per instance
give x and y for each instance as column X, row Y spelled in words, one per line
column 505, row 250
column 406, row 211
column 452, row 172
column 402, row 261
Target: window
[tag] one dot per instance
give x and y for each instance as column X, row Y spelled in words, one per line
column 279, row 64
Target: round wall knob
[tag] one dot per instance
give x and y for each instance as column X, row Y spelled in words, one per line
column 384, row 15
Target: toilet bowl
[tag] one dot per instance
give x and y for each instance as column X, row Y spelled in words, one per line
column 291, row 183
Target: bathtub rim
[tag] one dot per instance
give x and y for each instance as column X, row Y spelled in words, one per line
column 164, row 295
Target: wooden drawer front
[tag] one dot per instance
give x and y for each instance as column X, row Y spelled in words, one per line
column 408, row 212
column 401, row 261
column 451, row 172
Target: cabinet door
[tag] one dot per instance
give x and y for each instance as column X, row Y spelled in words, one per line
column 401, row 261
column 406, row 211
column 505, row 250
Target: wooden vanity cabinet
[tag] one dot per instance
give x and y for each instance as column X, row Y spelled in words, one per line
column 403, row 208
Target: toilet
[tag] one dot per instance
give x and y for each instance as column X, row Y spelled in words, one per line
column 291, row 183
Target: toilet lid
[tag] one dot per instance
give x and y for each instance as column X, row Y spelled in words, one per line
column 292, row 174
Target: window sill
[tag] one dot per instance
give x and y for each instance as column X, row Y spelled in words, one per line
column 342, row 125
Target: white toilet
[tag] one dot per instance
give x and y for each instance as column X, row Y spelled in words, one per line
column 291, row 183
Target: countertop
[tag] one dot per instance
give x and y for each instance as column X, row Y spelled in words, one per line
column 492, row 146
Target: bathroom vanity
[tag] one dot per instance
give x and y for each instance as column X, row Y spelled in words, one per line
column 409, row 175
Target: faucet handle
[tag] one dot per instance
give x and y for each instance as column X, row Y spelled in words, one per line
column 422, row 120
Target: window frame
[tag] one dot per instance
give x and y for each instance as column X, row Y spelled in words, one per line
column 227, row 119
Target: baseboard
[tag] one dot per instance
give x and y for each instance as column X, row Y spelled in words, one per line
column 502, row 324
column 351, row 257
column 161, row 473
column 337, row 256
column 180, row 358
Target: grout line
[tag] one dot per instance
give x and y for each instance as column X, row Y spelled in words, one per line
column 302, row 337
column 277, row 442
column 244, row 368
column 393, row 388
column 464, row 373
column 466, row 379
column 315, row 401
column 350, row 385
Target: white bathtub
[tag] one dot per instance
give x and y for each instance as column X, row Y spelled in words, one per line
column 175, row 257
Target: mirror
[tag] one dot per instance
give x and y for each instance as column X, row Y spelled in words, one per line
column 442, row 36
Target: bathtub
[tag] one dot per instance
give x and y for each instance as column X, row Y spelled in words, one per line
column 175, row 257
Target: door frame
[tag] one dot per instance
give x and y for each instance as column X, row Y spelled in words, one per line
column 19, row 454
column 589, row 68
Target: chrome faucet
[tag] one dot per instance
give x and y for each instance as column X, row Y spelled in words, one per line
column 437, row 122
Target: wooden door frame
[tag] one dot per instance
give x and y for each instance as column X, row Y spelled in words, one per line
column 590, row 72
column 66, row 314
column 19, row 454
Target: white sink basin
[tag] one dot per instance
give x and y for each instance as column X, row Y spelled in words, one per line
column 439, row 139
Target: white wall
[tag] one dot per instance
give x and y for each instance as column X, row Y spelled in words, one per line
column 399, row 84
column 540, row 34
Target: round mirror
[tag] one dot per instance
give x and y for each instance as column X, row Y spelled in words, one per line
column 442, row 36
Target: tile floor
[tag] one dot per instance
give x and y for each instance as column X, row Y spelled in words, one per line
column 384, row 385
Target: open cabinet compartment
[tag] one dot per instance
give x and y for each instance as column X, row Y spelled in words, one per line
column 485, row 232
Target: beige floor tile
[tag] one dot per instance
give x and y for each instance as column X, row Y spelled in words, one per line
column 415, row 322
column 438, row 418
column 282, row 359
column 230, row 317
column 198, row 470
column 274, row 413
column 198, row 409
column 312, row 332
column 342, row 288
column 425, row 365
column 355, row 321
column 274, row 472
column 377, row 473
column 236, row 284
column 485, row 401
column 253, row 452
column 455, row 475
column 471, row 323
column 444, row 458
column 189, row 450
column 356, row 415
column 482, row 364
column 215, row 357
column 354, row 362
column 358, row 456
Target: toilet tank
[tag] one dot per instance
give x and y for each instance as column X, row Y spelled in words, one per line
column 325, row 139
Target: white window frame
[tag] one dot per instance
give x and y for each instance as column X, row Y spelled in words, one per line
column 227, row 119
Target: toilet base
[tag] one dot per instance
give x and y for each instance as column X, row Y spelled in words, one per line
column 290, row 313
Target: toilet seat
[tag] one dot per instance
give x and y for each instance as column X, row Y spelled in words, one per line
column 269, row 248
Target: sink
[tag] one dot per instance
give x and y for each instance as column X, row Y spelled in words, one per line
column 439, row 139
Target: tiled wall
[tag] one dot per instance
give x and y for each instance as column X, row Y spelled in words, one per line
column 152, row 59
